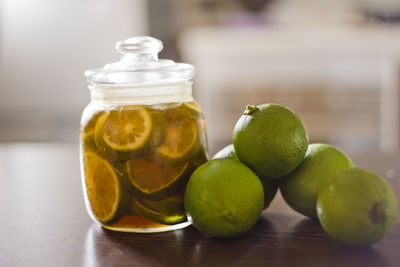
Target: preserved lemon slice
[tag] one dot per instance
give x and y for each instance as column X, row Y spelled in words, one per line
column 153, row 180
column 87, row 132
column 193, row 105
column 89, row 126
column 180, row 140
column 124, row 130
column 166, row 214
column 171, row 205
column 102, row 187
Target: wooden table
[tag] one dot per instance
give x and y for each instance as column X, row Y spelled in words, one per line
column 43, row 222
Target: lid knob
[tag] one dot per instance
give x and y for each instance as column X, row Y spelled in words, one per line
column 139, row 66
column 140, row 48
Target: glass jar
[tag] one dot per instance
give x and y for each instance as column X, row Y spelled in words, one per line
column 141, row 137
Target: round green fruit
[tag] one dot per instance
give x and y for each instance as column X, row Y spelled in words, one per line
column 223, row 198
column 270, row 186
column 301, row 187
column 270, row 139
column 357, row 207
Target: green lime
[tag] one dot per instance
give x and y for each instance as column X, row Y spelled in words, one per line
column 357, row 207
column 270, row 139
column 120, row 132
column 270, row 186
column 151, row 179
column 227, row 152
column 166, row 211
column 105, row 194
column 223, row 198
column 301, row 187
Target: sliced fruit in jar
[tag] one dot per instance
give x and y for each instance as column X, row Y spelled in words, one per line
column 102, row 187
column 194, row 106
column 159, row 126
column 88, row 130
column 180, row 140
column 172, row 205
column 88, row 127
column 124, row 130
column 158, row 215
column 185, row 110
column 154, row 180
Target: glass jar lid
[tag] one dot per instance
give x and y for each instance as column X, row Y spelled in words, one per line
column 140, row 66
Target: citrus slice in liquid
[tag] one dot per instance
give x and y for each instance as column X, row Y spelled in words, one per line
column 180, row 140
column 193, row 105
column 124, row 130
column 153, row 180
column 102, row 187
column 88, row 130
column 166, row 213
column 89, row 125
column 171, row 205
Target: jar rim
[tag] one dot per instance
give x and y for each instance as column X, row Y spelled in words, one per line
column 149, row 94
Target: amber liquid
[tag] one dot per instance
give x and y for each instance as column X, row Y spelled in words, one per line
column 153, row 177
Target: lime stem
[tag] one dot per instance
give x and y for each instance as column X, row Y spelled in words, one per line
column 250, row 109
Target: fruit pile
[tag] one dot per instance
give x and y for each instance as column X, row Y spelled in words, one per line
column 225, row 196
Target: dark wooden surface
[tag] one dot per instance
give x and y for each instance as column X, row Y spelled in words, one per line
column 43, row 222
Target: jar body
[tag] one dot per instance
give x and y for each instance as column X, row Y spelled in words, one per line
column 136, row 160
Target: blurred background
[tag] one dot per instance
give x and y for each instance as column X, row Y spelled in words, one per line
column 335, row 63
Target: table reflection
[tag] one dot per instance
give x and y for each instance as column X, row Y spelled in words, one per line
column 187, row 246
column 108, row 248
column 273, row 237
